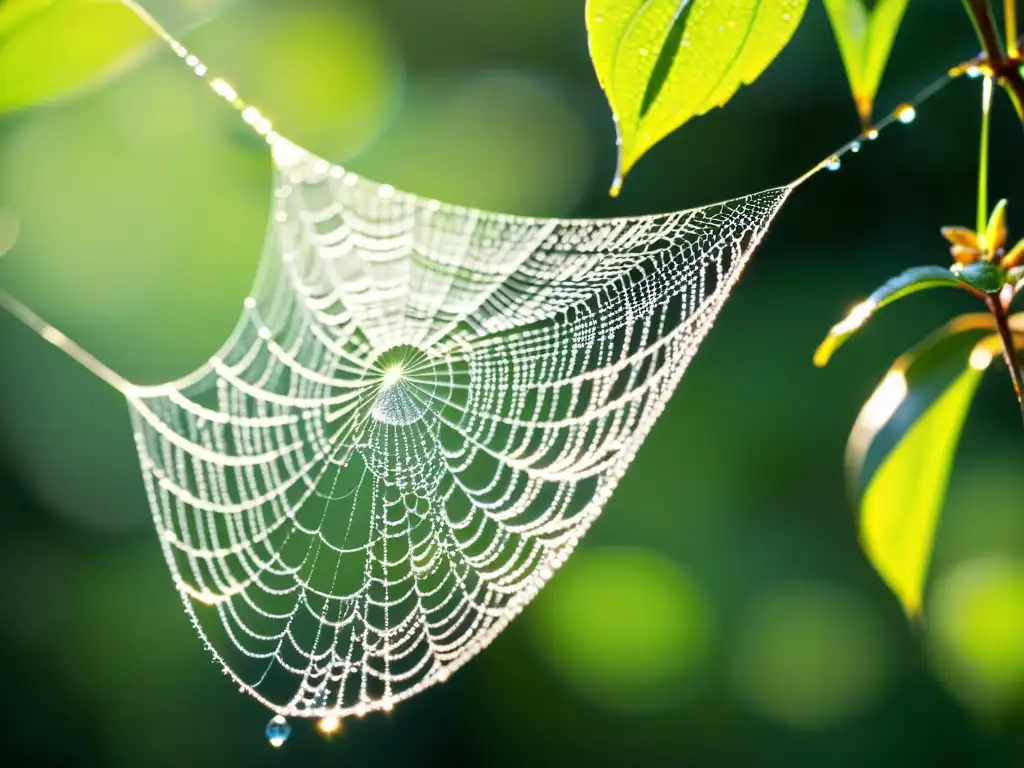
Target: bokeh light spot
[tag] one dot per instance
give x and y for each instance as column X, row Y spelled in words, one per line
column 982, row 516
column 624, row 627
column 810, row 656
column 976, row 631
column 141, row 225
column 500, row 141
column 328, row 76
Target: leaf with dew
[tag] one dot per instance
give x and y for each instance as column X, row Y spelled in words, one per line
column 662, row 62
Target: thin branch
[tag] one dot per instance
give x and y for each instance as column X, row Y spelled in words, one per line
column 1010, row 23
column 1006, row 71
column 985, row 27
column 1010, row 354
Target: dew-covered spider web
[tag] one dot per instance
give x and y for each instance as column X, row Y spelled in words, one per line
column 421, row 411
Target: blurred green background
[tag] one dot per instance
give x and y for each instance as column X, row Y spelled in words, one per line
column 720, row 612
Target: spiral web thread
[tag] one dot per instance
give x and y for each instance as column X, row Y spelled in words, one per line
column 422, row 410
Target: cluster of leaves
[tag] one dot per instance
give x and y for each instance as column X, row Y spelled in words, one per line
column 662, row 62
column 902, row 445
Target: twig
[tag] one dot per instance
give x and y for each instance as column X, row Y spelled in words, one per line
column 995, row 306
column 1010, row 23
column 1006, row 71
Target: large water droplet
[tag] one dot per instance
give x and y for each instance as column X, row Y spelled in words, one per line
column 278, row 731
column 906, row 114
column 855, row 147
column 833, row 163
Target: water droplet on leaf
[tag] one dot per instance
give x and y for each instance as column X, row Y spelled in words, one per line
column 834, row 163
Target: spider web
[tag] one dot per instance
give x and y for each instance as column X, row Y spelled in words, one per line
column 421, row 411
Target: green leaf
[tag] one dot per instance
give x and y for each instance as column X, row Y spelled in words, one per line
column 902, row 446
column 661, row 62
column 983, row 276
column 13, row 12
column 49, row 48
column 911, row 281
column 865, row 40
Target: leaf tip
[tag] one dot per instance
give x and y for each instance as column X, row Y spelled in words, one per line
column 823, row 353
column 621, row 166
column 842, row 330
column 995, row 232
column 865, row 106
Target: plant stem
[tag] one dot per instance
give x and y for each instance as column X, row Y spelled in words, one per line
column 986, row 111
column 1010, row 22
column 995, row 306
column 1006, row 71
column 985, row 28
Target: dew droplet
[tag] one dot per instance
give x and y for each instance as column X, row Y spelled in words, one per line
column 833, row 163
column 855, row 147
column 872, row 134
column 317, row 703
column 329, row 724
column 278, row 731
column 973, row 72
column 906, row 114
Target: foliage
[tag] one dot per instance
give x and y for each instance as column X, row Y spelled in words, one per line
column 663, row 62
column 901, row 449
column 865, row 35
column 913, row 280
column 96, row 39
column 902, row 446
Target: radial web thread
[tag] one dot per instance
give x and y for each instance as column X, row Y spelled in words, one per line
column 421, row 411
